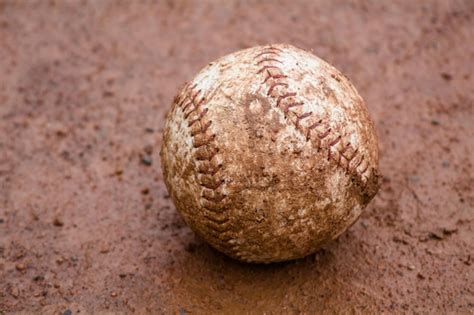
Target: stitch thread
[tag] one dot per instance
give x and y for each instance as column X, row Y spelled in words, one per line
column 268, row 59
column 267, row 53
column 325, row 134
column 208, row 168
column 202, row 129
column 216, row 218
column 272, row 48
column 350, row 159
column 266, row 68
column 282, row 97
column 274, row 85
column 335, row 152
column 273, row 76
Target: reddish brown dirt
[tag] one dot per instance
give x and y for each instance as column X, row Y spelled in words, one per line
column 85, row 221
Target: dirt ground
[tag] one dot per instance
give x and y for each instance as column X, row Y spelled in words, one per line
column 86, row 224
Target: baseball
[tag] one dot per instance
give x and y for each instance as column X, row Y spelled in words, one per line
column 268, row 153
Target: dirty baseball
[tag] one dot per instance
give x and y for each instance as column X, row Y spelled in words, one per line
column 269, row 153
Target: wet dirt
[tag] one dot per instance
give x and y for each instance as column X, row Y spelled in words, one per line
column 86, row 224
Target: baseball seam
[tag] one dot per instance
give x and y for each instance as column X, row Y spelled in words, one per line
column 316, row 130
column 205, row 154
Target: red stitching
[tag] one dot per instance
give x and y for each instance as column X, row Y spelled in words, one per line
column 178, row 100
column 273, row 48
column 274, row 76
column 306, row 130
column 204, row 153
column 335, row 141
column 212, row 185
column 293, row 105
column 266, row 53
column 352, row 157
column 193, row 98
column 282, row 97
column 275, row 85
column 310, row 128
column 199, row 143
column 216, row 150
column 215, row 207
column 200, row 102
column 209, row 170
column 325, row 134
column 331, row 144
column 344, row 149
column 201, row 115
column 223, row 238
column 315, row 124
column 365, row 168
column 266, row 68
column 196, row 106
column 190, row 112
column 360, row 161
column 217, row 226
column 211, row 196
column 303, row 116
column 203, row 129
column 186, row 106
column 214, row 217
column 268, row 59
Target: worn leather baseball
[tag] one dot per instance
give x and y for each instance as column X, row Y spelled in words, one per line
column 268, row 153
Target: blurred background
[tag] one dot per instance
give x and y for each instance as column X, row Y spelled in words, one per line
column 86, row 224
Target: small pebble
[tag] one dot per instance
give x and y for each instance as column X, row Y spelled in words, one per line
column 113, row 294
column 15, row 292
column 20, row 267
column 468, row 261
column 446, row 76
column 58, row 222
column 436, row 234
column 104, row 250
column 146, row 160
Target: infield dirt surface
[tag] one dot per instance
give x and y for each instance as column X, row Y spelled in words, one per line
column 86, row 223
